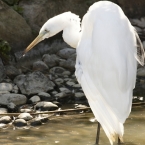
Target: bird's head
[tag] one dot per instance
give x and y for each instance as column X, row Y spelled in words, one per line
column 52, row 27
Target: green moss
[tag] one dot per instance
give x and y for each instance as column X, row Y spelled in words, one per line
column 4, row 50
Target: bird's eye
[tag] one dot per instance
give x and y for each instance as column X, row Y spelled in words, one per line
column 45, row 30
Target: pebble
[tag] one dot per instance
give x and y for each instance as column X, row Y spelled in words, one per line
column 45, row 106
column 25, row 116
column 20, row 123
column 3, row 110
column 35, row 122
column 45, row 96
column 5, row 119
column 35, row 99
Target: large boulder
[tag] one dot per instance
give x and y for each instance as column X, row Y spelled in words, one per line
column 17, row 99
column 13, row 28
column 33, row 83
column 38, row 12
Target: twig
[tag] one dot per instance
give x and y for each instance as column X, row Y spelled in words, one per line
column 48, row 112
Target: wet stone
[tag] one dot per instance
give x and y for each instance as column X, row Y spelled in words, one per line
column 25, row 110
column 35, row 122
column 5, row 119
column 44, row 119
column 45, row 106
column 20, row 123
column 3, row 110
column 25, row 116
column 6, row 87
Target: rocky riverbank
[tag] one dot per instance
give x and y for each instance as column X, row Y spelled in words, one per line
column 44, row 80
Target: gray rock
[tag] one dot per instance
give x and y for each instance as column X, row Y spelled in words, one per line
column 12, row 71
column 25, row 110
column 40, row 66
column 33, row 83
column 77, row 86
column 17, row 99
column 79, row 95
column 60, row 95
column 35, row 122
column 141, row 72
column 3, row 110
column 54, row 92
column 44, row 119
column 50, row 60
column 67, row 91
column 25, row 116
column 70, row 83
column 15, row 89
column 4, row 92
column 66, row 53
column 6, row 87
column 35, row 99
column 57, row 70
column 68, row 64
column 5, row 119
column 11, row 106
column 59, row 81
column 45, row 106
column 13, row 28
column 66, row 73
column 45, row 96
column 2, row 73
column 20, row 123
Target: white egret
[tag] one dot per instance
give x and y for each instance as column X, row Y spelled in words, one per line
column 107, row 50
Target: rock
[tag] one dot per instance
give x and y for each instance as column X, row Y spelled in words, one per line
column 138, row 23
column 69, row 64
column 2, row 73
column 45, row 96
column 15, row 89
column 26, row 110
column 17, row 33
column 5, row 119
column 54, row 92
column 33, row 83
column 40, row 66
column 60, row 95
column 6, row 87
column 45, row 106
column 59, row 81
column 66, row 73
column 25, row 116
column 20, row 123
column 35, row 122
column 50, row 60
column 3, row 110
column 141, row 72
column 139, row 30
column 143, row 44
column 70, row 83
column 35, row 99
column 17, row 99
column 4, row 92
column 77, row 86
column 12, row 107
column 67, row 91
column 11, row 71
column 79, row 94
column 44, row 119
column 57, row 70
column 66, row 53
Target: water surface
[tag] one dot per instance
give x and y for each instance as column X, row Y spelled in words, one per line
column 74, row 130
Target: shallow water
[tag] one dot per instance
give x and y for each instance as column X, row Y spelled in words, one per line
column 75, row 130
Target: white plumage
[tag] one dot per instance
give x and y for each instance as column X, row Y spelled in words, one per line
column 106, row 60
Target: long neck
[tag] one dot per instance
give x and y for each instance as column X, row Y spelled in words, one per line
column 71, row 36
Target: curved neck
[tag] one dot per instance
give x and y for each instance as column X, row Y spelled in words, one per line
column 71, row 36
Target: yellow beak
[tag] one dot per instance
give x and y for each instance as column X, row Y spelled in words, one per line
column 38, row 39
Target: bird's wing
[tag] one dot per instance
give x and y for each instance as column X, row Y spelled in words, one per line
column 140, row 56
column 108, row 67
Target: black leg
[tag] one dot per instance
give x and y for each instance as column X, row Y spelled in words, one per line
column 98, row 134
column 119, row 140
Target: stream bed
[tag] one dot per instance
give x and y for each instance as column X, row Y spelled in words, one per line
column 75, row 130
